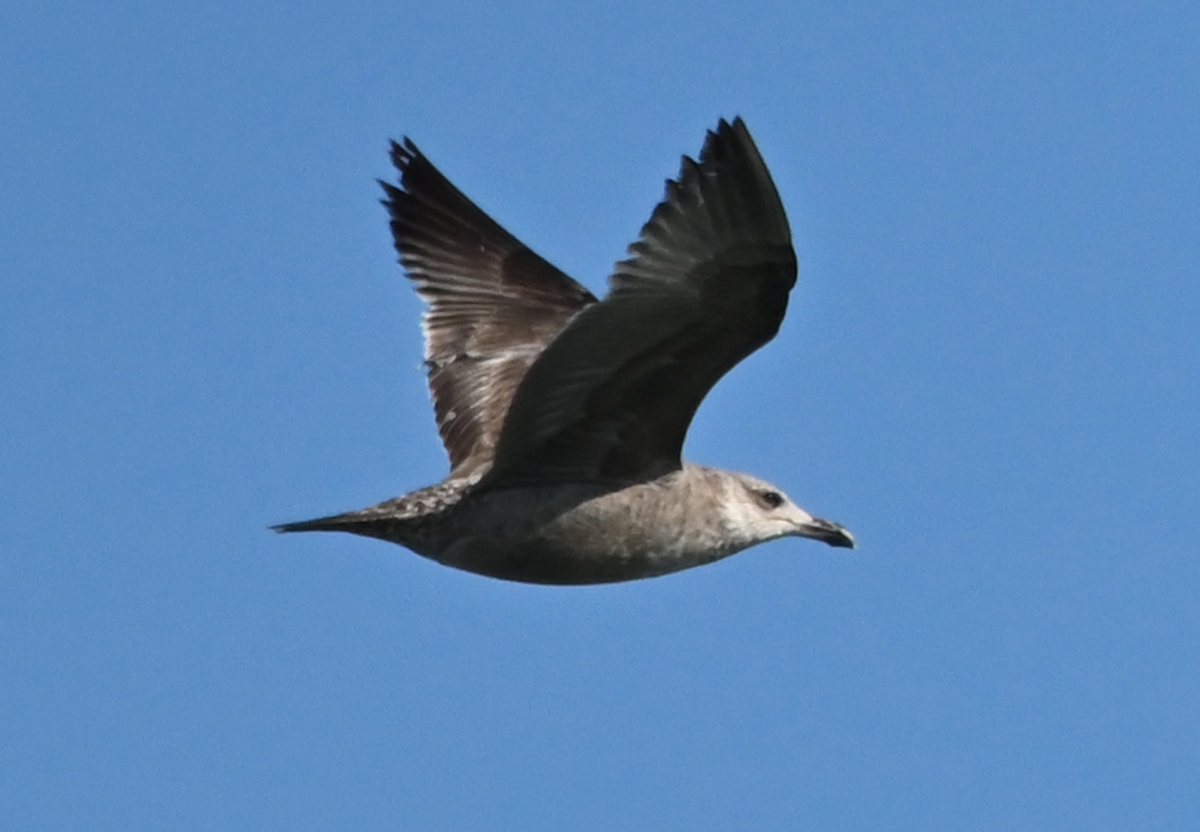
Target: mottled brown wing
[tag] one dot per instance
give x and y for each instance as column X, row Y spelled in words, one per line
column 610, row 399
column 494, row 305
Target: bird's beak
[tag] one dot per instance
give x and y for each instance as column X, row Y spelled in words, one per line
column 826, row 532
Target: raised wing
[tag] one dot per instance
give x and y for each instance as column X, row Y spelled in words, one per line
column 493, row 304
column 610, row 399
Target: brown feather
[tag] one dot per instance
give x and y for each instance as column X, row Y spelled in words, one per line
column 493, row 304
column 611, row 398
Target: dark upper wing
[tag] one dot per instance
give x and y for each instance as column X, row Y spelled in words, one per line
column 493, row 304
column 610, row 400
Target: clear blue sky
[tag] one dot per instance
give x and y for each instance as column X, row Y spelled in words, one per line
column 990, row 373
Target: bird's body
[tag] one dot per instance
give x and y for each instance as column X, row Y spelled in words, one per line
column 579, row 533
column 564, row 417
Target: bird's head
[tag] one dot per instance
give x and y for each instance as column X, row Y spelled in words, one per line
column 762, row 512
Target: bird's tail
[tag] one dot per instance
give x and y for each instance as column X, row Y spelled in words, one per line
column 366, row 523
column 333, row 523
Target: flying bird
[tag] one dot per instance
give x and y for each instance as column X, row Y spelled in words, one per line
column 563, row 416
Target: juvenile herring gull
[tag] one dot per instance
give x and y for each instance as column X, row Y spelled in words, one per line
column 563, row 416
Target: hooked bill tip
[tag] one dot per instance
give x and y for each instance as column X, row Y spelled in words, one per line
column 829, row 533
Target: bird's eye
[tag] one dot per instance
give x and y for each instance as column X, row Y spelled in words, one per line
column 770, row 499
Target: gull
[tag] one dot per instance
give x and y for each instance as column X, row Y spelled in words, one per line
column 563, row 416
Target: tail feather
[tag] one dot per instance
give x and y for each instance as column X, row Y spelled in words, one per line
column 366, row 524
column 350, row 521
column 334, row 523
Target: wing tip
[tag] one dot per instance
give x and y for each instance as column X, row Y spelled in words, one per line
column 404, row 153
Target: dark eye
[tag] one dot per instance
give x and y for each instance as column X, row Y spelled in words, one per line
column 770, row 499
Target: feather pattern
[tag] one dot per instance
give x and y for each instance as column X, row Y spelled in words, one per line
column 493, row 305
column 707, row 283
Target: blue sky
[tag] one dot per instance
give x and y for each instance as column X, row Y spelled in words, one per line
column 990, row 372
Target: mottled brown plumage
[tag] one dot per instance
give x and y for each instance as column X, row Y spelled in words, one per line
column 564, row 418
column 494, row 305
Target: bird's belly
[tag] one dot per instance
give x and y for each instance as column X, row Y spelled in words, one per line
column 552, row 536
